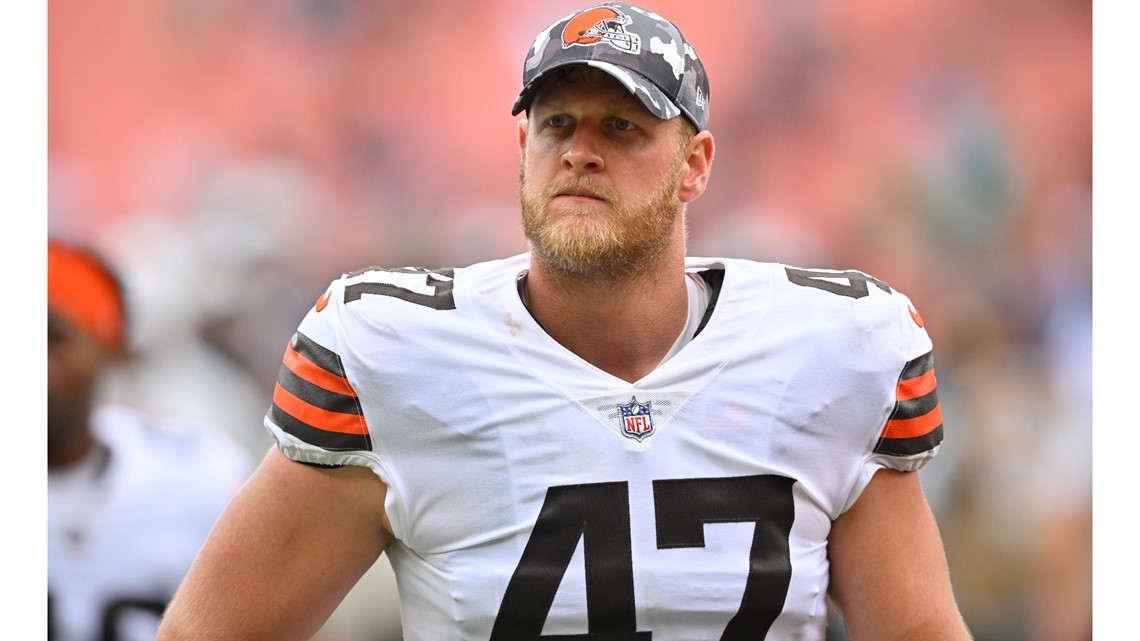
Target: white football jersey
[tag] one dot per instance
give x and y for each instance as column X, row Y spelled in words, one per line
column 534, row 496
column 125, row 524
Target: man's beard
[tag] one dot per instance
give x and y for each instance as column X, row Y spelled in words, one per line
column 583, row 246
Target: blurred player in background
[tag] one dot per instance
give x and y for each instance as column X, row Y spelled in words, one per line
column 130, row 499
column 602, row 438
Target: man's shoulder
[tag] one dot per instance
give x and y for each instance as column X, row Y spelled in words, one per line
column 381, row 307
column 418, row 286
column 813, row 301
column 825, row 286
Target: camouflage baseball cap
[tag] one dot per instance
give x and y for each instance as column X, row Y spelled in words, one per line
column 644, row 51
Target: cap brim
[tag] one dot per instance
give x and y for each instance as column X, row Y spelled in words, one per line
column 653, row 98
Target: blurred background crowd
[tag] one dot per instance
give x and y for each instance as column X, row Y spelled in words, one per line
column 234, row 156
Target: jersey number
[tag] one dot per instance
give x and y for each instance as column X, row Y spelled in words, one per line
column 598, row 514
column 827, row 280
column 434, row 289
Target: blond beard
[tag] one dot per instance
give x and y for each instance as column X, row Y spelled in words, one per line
column 580, row 246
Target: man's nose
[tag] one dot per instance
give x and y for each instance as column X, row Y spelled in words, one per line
column 584, row 152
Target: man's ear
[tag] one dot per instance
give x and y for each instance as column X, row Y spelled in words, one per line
column 522, row 135
column 698, row 164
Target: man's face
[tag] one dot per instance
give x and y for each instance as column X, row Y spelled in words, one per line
column 75, row 362
column 599, row 177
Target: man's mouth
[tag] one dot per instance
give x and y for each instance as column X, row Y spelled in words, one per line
column 581, row 192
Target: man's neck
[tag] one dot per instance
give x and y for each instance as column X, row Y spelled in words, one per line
column 623, row 328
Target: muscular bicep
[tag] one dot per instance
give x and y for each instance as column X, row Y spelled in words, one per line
column 889, row 575
column 286, row 550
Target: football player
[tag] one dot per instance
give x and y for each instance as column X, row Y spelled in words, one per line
column 601, row 438
column 130, row 499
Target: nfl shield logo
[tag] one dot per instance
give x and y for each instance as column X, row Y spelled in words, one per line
column 636, row 420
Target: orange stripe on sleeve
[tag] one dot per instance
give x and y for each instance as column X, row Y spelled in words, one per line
column 319, row 418
column 913, row 427
column 915, row 387
column 316, row 375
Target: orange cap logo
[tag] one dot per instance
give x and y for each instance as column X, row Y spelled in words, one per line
column 600, row 24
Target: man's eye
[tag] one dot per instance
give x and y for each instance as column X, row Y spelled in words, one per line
column 558, row 121
column 622, row 125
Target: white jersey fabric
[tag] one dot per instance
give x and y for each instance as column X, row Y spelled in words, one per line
column 534, row 496
column 125, row 524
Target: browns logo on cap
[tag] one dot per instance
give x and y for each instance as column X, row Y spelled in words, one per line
column 600, row 24
column 644, row 51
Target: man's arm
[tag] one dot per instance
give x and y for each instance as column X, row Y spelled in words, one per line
column 287, row 549
column 888, row 569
